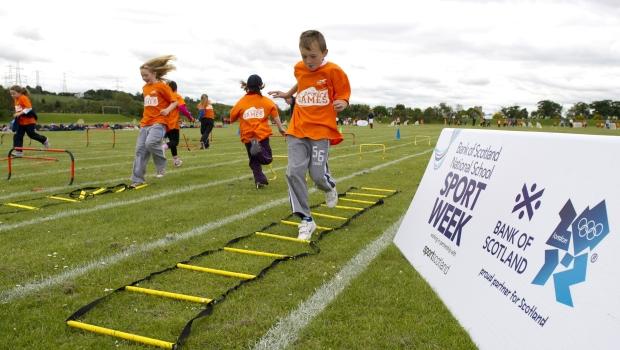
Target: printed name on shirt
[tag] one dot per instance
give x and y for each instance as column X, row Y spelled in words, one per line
column 312, row 97
column 254, row 113
column 150, row 100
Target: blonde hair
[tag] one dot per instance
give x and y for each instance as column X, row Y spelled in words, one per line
column 159, row 65
column 19, row 89
column 310, row 36
column 204, row 101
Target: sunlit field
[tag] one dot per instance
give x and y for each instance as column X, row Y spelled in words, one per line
column 60, row 255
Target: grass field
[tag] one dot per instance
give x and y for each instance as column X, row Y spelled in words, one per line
column 64, row 256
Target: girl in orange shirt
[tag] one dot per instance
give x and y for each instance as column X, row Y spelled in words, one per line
column 173, row 125
column 253, row 111
column 206, row 116
column 159, row 101
column 25, row 119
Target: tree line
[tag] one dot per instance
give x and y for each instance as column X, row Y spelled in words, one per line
column 131, row 105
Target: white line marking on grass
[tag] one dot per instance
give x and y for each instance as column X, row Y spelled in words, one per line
column 37, row 285
column 287, row 329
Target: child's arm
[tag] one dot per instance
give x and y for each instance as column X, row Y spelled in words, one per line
column 285, row 95
column 168, row 109
column 186, row 113
column 279, row 124
column 340, row 105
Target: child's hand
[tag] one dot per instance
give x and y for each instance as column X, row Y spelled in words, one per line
column 278, row 94
column 340, row 105
column 282, row 131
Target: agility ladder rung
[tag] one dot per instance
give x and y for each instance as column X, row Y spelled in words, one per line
column 322, row 215
column 344, row 207
column 244, row 276
column 255, row 252
column 367, row 195
column 356, row 201
column 22, row 206
column 378, row 189
column 122, row 335
column 293, row 223
column 284, row 238
column 170, row 295
column 63, row 199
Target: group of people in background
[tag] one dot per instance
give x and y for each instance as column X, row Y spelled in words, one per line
column 321, row 91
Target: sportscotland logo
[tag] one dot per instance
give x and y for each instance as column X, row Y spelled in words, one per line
column 586, row 230
column 528, row 201
column 441, row 150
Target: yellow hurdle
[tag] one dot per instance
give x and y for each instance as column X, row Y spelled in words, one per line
column 164, row 294
column 21, row 206
column 321, row 215
column 344, row 207
column 372, row 145
column 284, row 238
column 367, row 195
column 355, row 201
column 122, row 335
column 63, row 199
column 378, row 189
column 244, row 276
column 296, row 224
column 255, row 252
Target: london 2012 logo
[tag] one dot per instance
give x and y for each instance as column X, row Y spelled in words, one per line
column 585, row 231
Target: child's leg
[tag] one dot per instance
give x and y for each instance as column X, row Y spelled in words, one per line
column 255, row 165
column 208, row 127
column 32, row 133
column 141, row 158
column 265, row 157
column 153, row 142
column 173, row 136
column 319, row 171
column 18, row 138
column 299, row 156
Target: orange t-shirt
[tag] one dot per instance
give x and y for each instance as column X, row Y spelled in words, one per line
column 21, row 103
column 314, row 116
column 157, row 96
column 174, row 116
column 209, row 113
column 253, row 111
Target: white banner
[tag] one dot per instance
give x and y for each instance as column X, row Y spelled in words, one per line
column 517, row 232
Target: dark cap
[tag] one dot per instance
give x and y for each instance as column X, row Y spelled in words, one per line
column 254, row 81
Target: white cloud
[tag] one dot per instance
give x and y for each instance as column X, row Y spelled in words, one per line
column 474, row 52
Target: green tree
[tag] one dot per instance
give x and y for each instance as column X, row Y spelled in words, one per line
column 548, row 109
column 579, row 110
column 605, row 109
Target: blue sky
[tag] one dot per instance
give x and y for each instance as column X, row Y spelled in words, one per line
column 419, row 53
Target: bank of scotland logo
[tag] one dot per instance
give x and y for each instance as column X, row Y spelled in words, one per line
column 586, row 231
column 439, row 154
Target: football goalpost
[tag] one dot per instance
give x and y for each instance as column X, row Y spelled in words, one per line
column 117, row 109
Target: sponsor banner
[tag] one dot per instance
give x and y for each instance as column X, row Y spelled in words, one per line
column 517, row 232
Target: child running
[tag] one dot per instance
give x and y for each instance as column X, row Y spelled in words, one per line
column 174, row 124
column 206, row 114
column 322, row 90
column 159, row 101
column 253, row 111
column 25, row 119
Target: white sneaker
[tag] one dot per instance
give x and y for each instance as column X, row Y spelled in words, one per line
column 17, row 154
column 177, row 162
column 160, row 174
column 331, row 198
column 46, row 144
column 306, row 229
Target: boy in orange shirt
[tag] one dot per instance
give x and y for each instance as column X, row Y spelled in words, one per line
column 159, row 101
column 322, row 90
column 25, row 118
column 253, row 111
